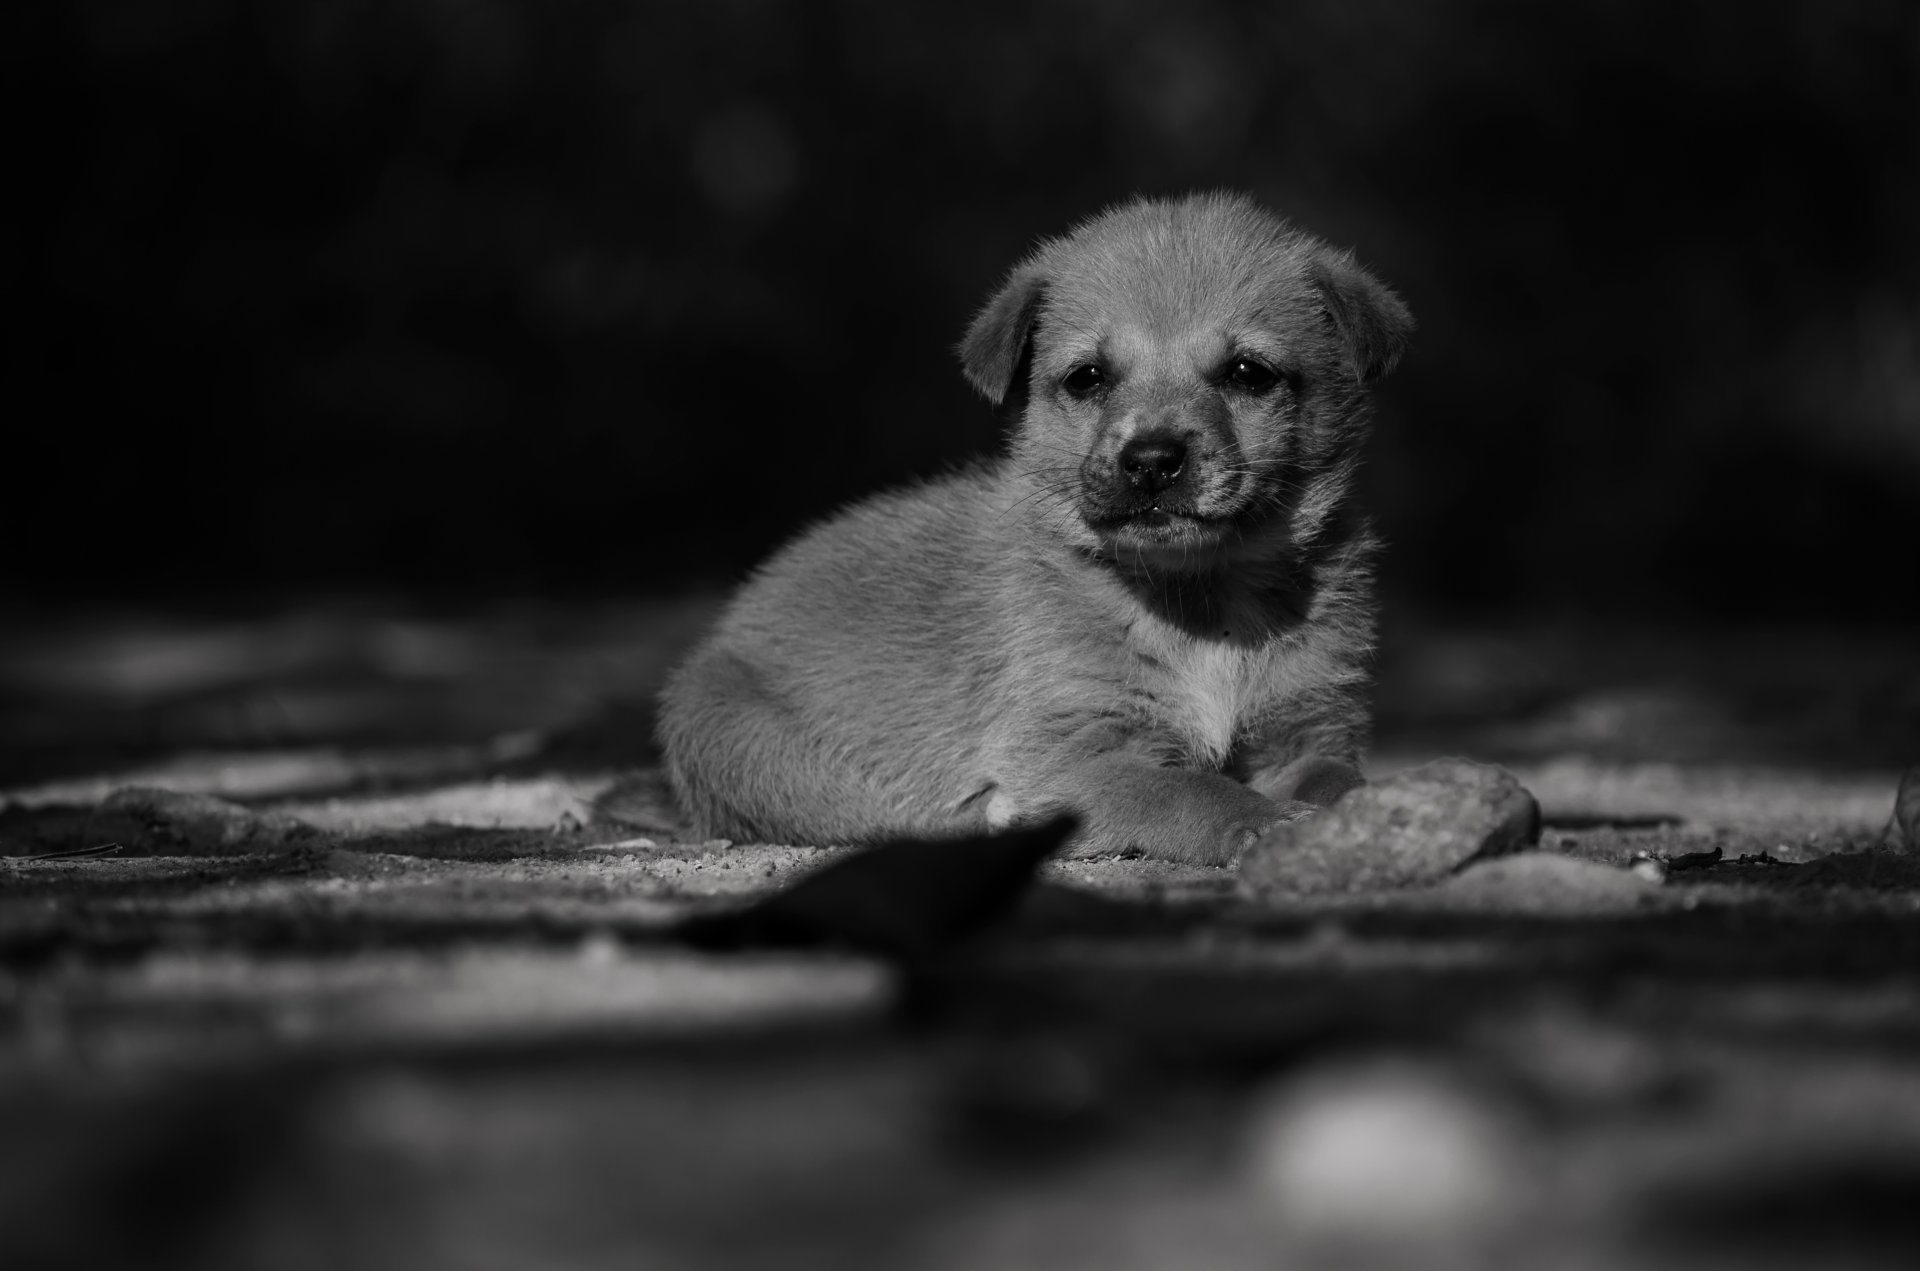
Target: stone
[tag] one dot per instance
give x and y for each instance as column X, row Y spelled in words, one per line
column 1409, row 830
column 1547, row 883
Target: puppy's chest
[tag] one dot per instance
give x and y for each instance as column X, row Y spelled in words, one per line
column 1210, row 694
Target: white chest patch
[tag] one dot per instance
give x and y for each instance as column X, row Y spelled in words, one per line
column 1209, row 692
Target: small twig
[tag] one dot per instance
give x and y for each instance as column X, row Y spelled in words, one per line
column 75, row 853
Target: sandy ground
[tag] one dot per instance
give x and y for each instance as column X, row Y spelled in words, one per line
column 312, row 954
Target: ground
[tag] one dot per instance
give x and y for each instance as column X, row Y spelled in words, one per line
column 312, row 953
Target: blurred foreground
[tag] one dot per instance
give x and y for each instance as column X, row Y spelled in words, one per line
column 355, row 981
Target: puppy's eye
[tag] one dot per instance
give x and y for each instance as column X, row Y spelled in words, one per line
column 1251, row 375
column 1082, row 380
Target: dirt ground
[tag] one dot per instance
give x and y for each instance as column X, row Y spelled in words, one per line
column 313, row 955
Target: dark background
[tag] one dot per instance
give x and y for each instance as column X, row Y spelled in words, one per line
column 484, row 297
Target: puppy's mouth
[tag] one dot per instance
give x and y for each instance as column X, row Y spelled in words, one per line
column 1156, row 525
column 1154, row 512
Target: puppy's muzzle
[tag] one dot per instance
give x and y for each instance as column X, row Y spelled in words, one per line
column 1151, row 462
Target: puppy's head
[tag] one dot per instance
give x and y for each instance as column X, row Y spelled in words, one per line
column 1194, row 375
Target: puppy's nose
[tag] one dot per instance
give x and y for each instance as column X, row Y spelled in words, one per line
column 1153, row 461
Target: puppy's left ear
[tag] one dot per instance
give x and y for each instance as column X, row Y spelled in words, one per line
column 994, row 346
column 1373, row 322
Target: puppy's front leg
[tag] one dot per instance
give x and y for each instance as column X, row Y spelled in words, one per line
column 1312, row 756
column 1128, row 803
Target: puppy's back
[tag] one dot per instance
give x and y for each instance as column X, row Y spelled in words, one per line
column 837, row 699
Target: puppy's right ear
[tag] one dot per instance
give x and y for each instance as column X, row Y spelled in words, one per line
column 1373, row 322
column 996, row 343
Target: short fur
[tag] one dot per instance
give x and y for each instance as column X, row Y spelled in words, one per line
column 1155, row 610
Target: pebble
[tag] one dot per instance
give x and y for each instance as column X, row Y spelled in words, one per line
column 1548, row 883
column 1410, row 829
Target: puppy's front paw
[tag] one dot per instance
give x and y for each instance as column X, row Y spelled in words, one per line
column 1297, row 810
column 1246, row 839
column 1315, row 780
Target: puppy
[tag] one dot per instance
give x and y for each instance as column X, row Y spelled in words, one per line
column 1154, row 610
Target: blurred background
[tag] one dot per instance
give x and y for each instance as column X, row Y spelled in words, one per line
column 472, row 298
column 423, row 371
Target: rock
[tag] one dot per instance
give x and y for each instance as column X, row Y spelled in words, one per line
column 1548, row 883
column 1413, row 828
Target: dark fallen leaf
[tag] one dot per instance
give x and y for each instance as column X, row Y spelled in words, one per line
column 1903, row 829
column 905, row 900
column 1693, row 860
column 643, row 801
